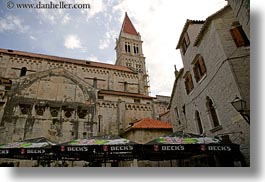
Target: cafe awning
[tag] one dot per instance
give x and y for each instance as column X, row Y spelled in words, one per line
column 98, row 148
column 183, row 145
column 35, row 148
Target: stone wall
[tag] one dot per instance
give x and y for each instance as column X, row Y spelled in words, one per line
column 241, row 10
column 54, row 104
column 106, row 78
column 143, row 136
column 227, row 76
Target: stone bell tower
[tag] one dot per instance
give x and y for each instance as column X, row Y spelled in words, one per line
column 129, row 53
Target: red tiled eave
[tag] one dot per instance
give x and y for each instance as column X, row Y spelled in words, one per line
column 149, row 123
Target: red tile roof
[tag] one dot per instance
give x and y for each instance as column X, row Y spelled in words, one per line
column 127, row 26
column 66, row 60
column 148, row 123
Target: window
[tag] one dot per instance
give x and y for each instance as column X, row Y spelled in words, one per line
column 199, row 123
column 68, row 113
column 81, row 113
column 239, row 37
column 212, row 112
column 8, row 85
column 135, row 48
column 185, row 43
column 99, row 122
column 101, row 97
column 137, row 101
column 188, row 83
column 125, row 86
column 184, row 110
column 199, row 68
column 39, row 110
column 23, row 71
column 87, row 126
column 127, row 47
column 129, row 64
column 138, row 67
column 177, row 113
column 54, row 111
column 25, row 108
column 95, row 82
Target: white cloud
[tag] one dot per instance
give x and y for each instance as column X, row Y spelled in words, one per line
column 96, row 7
column 93, row 58
column 72, row 42
column 66, row 19
column 55, row 16
column 160, row 24
column 52, row 16
column 108, row 37
column 47, row 16
column 13, row 23
column 103, row 44
column 32, row 37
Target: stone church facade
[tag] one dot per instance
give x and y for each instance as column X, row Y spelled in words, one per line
column 62, row 98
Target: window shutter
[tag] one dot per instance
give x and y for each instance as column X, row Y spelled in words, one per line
column 184, row 47
column 187, row 39
column 196, row 75
column 190, row 82
column 181, row 50
column 244, row 37
column 202, row 65
column 236, row 34
column 187, row 86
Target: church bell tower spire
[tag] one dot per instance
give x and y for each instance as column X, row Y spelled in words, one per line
column 129, row 52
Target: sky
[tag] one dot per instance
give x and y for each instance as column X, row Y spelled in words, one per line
column 90, row 33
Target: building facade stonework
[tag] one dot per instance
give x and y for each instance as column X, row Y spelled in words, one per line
column 63, row 99
column 216, row 71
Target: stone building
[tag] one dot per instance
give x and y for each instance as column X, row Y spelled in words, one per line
column 62, row 98
column 146, row 130
column 241, row 9
column 216, row 58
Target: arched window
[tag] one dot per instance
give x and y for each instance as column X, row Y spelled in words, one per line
column 199, row 123
column 127, row 47
column 212, row 112
column 23, row 71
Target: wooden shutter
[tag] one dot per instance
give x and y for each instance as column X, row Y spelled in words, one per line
column 202, row 65
column 196, row 75
column 187, row 39
column 181, row 50
column 187, row 85
column 237, row 36
column 190, row 82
